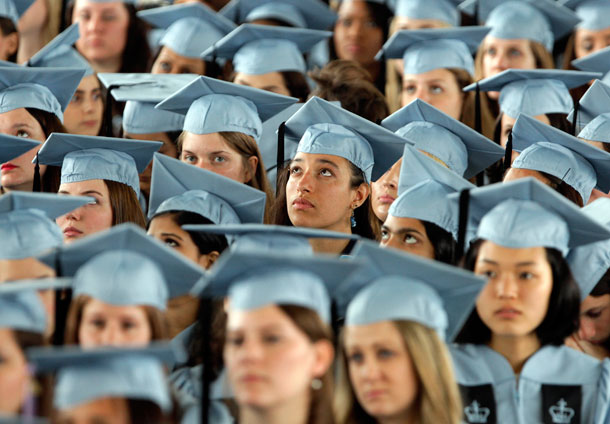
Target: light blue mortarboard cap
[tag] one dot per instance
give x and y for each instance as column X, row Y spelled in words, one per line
column 205, row 102
column 589, row 263
column 22, row 310
column 189, row 28
column 47, row 89
column 142, row 92
column 594, row 102
column 598, row 129
column 297, row 13
column 425, row 50
column 84, row 158
column 259, row 238
column 260, row 49
column 179, row 273
column 12, row 147
column 442, row 10
column 592, row 13
column 462, row 149
column 27, row 226
column 598, row 61
column 534, row 91
column 547, row 149
column 59, row 53
column 254, row 280
column 122, row 277
column 543, row 21
column 87, row 375
column 321, row 127
column 178, row 186
column 527, row 213
column 395, row 286
column 13, row 9
column 423, row 188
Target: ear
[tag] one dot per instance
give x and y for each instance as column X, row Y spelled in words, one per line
column 12, row 43
column 325, row 353
column 251, row 168
column 361, row 194
column 206, row 261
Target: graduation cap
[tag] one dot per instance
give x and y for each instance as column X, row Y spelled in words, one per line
column 84, row 158
column 22, row 310
column 260, row 49
column 321, row 127
column 597, row 130
column 592, row 13
column 87, row 375
column 189, row 28
column 397, row 286
column 312, row 14
column 464, row 150
column 36, row 284
column 269, row 238
column 423, row 188
column 547, row 149
column 598, row 61
column 527, row 213
column 589, row 263
column 442, row 10
column 594, row 102
column 253, row 280
column 177, row 186
column 12, row 147
column 47, row 89
column 178, row 273
column 543, row 21
column 205, row 102
column 13, row 9
column 424, row 50
column 534, row 91
column 27, row 222
column 142, row 92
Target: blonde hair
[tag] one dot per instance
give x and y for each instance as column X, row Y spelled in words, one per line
column 438, row 400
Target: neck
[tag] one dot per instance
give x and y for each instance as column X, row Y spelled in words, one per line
column 516, row 349
column 27, row 186
column 29, row 43
column 407, row 417
column 332, row 246
column 107, row 66
column 293, row 411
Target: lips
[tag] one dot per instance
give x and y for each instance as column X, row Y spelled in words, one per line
column 374, row 394
column 7, row 166
column 507, row 313
column 386, row 198
column 72, row 232
column 302, row 204
column 90, row 123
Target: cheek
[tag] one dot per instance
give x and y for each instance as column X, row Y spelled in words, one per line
column 13, row 381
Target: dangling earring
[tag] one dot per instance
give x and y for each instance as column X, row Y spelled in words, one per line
column 316, row 384
column 353, row 217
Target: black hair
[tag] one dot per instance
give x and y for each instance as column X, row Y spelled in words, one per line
column 603, row 285
column 562, row 317
column 212, row 69
column 443, row 242
column 7, row 27
column 297, row 85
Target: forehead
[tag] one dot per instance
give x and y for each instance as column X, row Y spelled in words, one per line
column 440, row 74
column 383, row 332
column 17, row 116
column 354, row 8
column 84, row 186
column 490, row 251
column 204, row 142
column 97, row 306
column 259, row 318
column 317, row 158
column 111, row 6
column 16, row 269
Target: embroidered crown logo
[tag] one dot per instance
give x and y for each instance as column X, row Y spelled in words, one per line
column 560, row 413
column 476, row 414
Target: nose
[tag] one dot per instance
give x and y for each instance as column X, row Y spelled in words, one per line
column 251, row 350
column 501, row 61
column 422, row 94
column 111, row 336
column 370, row 369
column 506, row 287
column 94, row 24
column 586, row 331
column 390, row 182
column 305, row 182
column 73, row 215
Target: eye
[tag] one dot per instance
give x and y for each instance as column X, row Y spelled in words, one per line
column 171, row 243
column 23, row 134
column 97, row 323
column 128, row 325
column 526, row 275
column 295, row 170
column 84, row 16
column 346, row 22
column 593, row 313
column 326, row 172
column 235, row 340
column 385, row 353
column 109, row 17
column 488, row 273
column 385, row 234
column 219, row 159
column 188, row 158
column 409, row 239
column 371, row 24
column 514, row 53
column 96, row 96
column 587, row 45
column 77, row 98
column 271, row 339
column 409, row 89
column 166, row 67
column 491, row 51
column 436, row 89
column 356, row 357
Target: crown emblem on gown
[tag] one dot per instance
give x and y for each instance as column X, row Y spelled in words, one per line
column 476, row 413
column 560, row 413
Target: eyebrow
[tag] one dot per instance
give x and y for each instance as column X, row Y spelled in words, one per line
column 84, row 193
column 172, row 235
column 518, row 264
column 22, row 124
column 270, row 87
column 401, row 231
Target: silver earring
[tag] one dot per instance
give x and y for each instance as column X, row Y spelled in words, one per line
column 316, row 384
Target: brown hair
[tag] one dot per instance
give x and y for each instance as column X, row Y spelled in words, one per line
column 7, row 27
column 246, row 146
column 438, row 399
column 349, row 83
column 125, row 204
column 156, row 319
column 49, row 124
column 309, row 322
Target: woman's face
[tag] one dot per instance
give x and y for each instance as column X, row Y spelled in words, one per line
column 84, row 113
column 381, row 371
column 269, row 360
column 515, row 299
column 406, row 234
column 170, row 62
column 101, row 411
column 404, row 22
column 168, row 148
column 14, row 379
column 211, row 152
column 500, row 55
column 595, row 319
column 103, row 324
column 90, row 218
column 271, row 81
column 438, row 87
column 103, row 29
column 587, row 41
column 385, row 190
column 356, row 35
column 507, row 123
column 319, row 193
column 165, row 229
column 18, row 174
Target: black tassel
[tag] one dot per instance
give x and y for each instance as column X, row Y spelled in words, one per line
column 478, row 124
column 37, row 184
column 463, row 225
column 62, row 305
column 280, row 152
column 475, row 17
column 108, row 130
column 575, row 119
column 508, row 152
column 205, row 319
column 335, row 323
